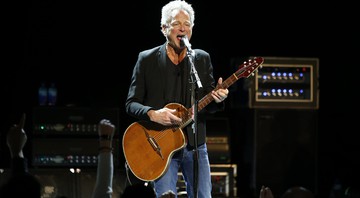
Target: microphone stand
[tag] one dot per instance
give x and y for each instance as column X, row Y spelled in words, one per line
column 194, row 98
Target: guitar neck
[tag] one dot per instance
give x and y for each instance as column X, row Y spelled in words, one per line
column 207, row 99
column 245, row 70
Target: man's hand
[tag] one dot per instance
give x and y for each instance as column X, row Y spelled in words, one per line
column 164, row 116
column 220, row 94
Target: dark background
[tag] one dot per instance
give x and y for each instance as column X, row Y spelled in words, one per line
column 88, row 49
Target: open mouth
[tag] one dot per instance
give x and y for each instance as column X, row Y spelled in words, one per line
column 179, row 37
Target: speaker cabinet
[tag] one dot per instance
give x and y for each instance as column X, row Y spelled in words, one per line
column 283, row 150
column 222, row 180
column 218, row 140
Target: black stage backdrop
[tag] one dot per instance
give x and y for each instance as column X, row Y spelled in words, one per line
column 88, row 49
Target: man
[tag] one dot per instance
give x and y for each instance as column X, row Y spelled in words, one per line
column 163, row 75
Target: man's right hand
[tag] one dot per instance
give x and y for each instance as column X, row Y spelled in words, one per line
column 164, row 116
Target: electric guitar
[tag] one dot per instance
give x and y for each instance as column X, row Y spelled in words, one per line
column 149, row 146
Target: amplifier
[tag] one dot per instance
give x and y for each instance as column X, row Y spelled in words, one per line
column 68, row 152
column 218, row 149
column 71, row 121
column 285, row 82
column 68, row 136
column 218, row 139
column 223, row 179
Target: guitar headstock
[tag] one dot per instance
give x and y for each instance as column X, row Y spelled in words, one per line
column 248, row 67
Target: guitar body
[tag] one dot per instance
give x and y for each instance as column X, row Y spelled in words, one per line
column 148, row 146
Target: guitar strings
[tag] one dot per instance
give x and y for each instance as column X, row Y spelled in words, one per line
column 164, row 132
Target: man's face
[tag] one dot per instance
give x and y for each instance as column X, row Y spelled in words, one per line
column 179, row 26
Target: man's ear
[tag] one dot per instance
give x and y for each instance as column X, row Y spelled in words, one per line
column 164, row 29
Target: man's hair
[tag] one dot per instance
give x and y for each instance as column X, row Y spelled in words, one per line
column 176, row 5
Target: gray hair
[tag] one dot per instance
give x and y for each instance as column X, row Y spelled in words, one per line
column 176, row 5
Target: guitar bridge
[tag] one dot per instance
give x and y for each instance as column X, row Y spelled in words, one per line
column 154, row 144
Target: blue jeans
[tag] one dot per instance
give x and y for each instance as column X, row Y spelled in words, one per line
column 184, row 160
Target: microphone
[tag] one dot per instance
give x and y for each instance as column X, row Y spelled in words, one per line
column 185, row 41
column 191, row 53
